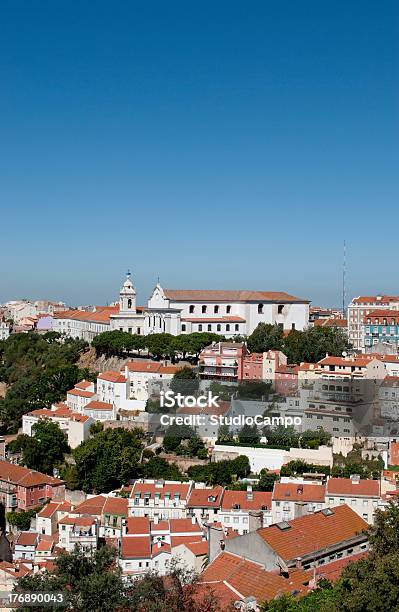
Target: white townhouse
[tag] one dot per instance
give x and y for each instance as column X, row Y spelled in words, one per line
column 292, row 499
column 146, row 377
column 25, row 546
column 48, row 517
column 245, row 511
column 78, row 531
column 148, row 545
column 362, row 495
column 82, row 393
column 75, row 425
column 163, row 498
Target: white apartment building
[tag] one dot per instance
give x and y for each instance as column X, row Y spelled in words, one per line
column 147, row 377
column 78, row 531
column 148, row 545
column 75, row 425
column 204, row 503
column 162, row 499
column 292, row 499
column 48, row 517
column 361, row 495
column 360, row 307
column 245, row 511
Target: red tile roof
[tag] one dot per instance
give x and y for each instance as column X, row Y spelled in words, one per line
column 25, row 477
column 194, row 537
column 83, row 384
column 246, row 578
column 360, row 361
column 80, row 521
column 345, row 486
column 92, row 505
column 116, row 505
column 136, row 547
column 259, row 499
column 183, row 525
column 138, row 525
column 152, row 488
column 51, row 508
column 299, row 492
column 217, row 295
column 27, row 538
column 199, row 498
column 332, row 571
column 112, row 376
column 313, row 532
column 143, row 366
column 382, row 314
column 198, row 548
column 100, row 315
column 80, row 393
column 96, row 405
column 45, row 546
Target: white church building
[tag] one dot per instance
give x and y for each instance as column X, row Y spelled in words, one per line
column 184, row 311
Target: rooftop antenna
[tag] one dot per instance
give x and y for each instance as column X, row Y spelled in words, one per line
column 344, row 281
column 128, row 273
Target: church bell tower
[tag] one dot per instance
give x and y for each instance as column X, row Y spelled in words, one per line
column 127, row 296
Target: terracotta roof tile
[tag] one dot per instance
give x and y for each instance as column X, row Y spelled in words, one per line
column 136, row 547
column 259, row 499
column 299, row 492
column 199, row 498
column 346, row 486
column 217, row 295
column 314, row 532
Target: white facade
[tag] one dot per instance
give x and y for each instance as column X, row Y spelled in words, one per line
column 4, row 330
column 232, row 312
column 75, row 426
column 272, row 458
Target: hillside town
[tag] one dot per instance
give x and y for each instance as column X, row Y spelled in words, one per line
column 264, row 480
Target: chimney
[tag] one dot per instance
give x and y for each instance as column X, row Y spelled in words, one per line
column 355, row 478
column 215, row 539
column 298, row 562
column 156, row 519
column 159, row 543
column 255, row 520
column 193, row 520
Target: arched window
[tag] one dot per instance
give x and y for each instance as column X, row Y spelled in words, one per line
column 218, row 327
column 237, row 327
column 200, row 327
column 209, row 327
column 227, row 327
column 183, row 327
column 129, row 303
column 191, row 309
column 260, row 308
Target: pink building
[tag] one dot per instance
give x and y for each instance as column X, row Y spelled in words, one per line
column 222, row 361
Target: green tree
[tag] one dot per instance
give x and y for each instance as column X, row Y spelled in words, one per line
column 185, row 381
column 108, row 459
column 22, row 519
column 266, row 480
column 45, row 450
column 249, row 434
column 266, row 337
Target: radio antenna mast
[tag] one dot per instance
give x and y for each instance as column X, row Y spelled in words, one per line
column 344, row 281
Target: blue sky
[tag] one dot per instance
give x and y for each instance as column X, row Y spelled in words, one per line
column 215, row 144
